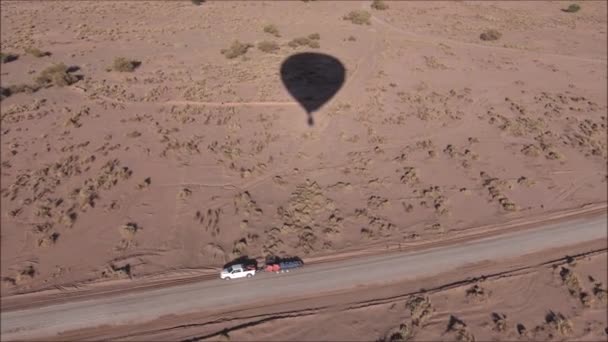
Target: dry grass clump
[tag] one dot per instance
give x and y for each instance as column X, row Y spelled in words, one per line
column 304, row 41
column 184, row 193
column 490, row 35
column 268, row 46
column 236, row 49
column 16, row 89
column 122, row 64
column 314, row 36
column 7, row 57
column 359, row 17
column 460, row 328
column 36, row 52
column 379, row 5
column 404, row 333
column 129, row 230
column 500, row 321
column 198, row 2
column 273, row 30
column 559, row 323
column 573, row 8
column 58, row 74
column 477, row 293
column 420, row 308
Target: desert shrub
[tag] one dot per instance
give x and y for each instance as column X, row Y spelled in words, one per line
column 22, row 88
column 273, row 30
column 490, row 35
column 122, row 64
column 314, row 36
column 379, row 5
column 573, row 8
column 304, row 41
column 57, row 74
column 7, row 57
column 198, row 2
column 236, row 49
column 268, row 47
column 420, row 308
column 36, row 52
column 559, row 322
column 15, row 89
column 359, row 17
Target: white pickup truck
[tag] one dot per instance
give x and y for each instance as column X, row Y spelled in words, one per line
column 237, row 271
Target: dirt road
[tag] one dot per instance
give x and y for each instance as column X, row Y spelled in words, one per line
column 218, row 294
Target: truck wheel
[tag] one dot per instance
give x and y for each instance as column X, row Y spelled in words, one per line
column 249, row 275
column 227, row 278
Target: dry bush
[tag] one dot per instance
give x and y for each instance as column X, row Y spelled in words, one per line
column 420, row 308
column 573, row 8
column 236, row 49
column 145, row 184
column 359, row 17
column 379, row 5
column 122, row 64
column 477, row 293
column 184, row 193
column 600, row 293
column 36, row 52
column 16, row 89
column 273, row 30
column 198, row 2
column 490, row 35
column 8, row 57
column 314, row 36
column 268, row 47
column 462, row 332
column 500, row 321
column 304, row 41
column 351, row 38
column 570, row 280
column 559, row 322
column 404, row 333
column 129, row 230
column 58, row 75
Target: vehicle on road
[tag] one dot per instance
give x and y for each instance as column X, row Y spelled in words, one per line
column 276, row 264
column 237, row 271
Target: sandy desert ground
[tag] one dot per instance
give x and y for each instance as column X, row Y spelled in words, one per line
column 193, row 158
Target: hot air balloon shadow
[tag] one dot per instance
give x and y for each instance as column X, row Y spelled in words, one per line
column 312, row 79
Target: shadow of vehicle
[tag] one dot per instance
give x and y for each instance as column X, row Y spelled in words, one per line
column 244, row 260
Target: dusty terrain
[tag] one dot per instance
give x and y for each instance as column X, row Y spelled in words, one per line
column 193, row 158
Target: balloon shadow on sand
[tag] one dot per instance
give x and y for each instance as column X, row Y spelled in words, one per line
column 312, row 79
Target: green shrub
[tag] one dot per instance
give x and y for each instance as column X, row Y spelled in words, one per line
column 379, row 5
column 56, row 75
column 573, row 8
column 273, row 30
column 7, row 57
column 359, row 17
column 122, row 64
column 268, row 47
column 490, row 35
column 236, row 49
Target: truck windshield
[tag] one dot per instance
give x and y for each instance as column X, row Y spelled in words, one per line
column 229, row 269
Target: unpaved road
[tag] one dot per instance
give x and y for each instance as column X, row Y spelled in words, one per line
column 217, row 294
